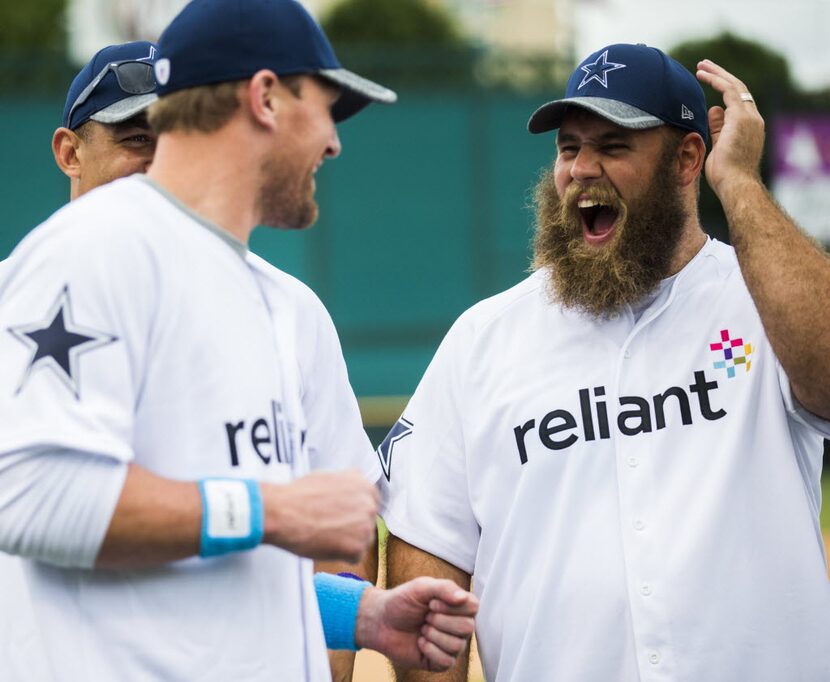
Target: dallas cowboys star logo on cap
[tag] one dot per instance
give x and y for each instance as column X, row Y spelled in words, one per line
column 598, row 70
column 57, row 342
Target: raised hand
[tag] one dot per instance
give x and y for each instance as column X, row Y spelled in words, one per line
column 737, row 130
column 324, row 515
column 424, row 623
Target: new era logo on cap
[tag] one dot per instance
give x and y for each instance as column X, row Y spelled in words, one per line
column 634, row 86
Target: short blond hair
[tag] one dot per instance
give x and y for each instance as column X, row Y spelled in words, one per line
column 205, row 108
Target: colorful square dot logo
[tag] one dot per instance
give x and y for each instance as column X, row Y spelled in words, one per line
column 735, row 353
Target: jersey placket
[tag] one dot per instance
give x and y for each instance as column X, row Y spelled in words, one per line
column 636, row 486
column 294, row 422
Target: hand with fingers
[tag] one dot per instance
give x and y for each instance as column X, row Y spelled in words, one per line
column 425, row 623
column 323, row 516
column 737, row 130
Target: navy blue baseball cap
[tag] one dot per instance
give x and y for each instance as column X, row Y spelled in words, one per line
column 109, row 89
column 214, row 41
column 634, row 86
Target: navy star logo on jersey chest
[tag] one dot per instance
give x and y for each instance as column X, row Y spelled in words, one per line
column 57, row 342
column 598, row 70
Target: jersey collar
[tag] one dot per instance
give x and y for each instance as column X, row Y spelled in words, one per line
column 224, row 235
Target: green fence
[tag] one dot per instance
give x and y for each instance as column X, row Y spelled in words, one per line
column 426, row 212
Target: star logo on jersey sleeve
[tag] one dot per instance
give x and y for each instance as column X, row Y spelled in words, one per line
column 598, row 70
column 57, row 342
column 401, row 429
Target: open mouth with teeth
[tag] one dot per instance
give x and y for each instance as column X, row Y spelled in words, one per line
column 598, row 220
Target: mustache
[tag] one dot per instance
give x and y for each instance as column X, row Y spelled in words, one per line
column 602, row 193
column 598, row 280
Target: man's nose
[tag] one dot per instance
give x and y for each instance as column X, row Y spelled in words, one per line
column 334, row 148
column 586, row 165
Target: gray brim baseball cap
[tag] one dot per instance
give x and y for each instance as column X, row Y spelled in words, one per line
column 215, row 41
column 633, row 86
column 356, row 92
column 124, row 109
column 102, row 92
column 549, row 116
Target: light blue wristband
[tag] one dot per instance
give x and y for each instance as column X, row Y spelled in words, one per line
column 232, row 515
column 339, row 599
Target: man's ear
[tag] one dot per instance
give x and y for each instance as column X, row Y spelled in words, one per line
column 66, row 150
column 262, row 94
column 691, row 153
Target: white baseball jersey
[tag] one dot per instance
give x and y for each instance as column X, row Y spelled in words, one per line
column 637, row 499
column 130, row 329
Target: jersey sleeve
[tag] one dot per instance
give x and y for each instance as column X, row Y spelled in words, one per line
column 335, row 435
column 74, row 309
column 425, row 499
column 797, row 411
column 806, row 432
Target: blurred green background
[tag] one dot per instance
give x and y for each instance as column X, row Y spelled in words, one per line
column 425, row 212
column 428, row 209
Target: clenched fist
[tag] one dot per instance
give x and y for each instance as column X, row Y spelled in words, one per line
column 424, row 623
column 324, row 515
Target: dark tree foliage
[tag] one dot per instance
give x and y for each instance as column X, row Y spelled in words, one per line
column 26, row 25
column 765, row 72
column 402, row 42
column 766, row 75
column 33, row 45
column 391, row 22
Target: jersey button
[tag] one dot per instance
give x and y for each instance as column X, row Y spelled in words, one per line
column 645, row 590
column 633, row 462
column 638, row 524
column 627, row 354
column 613, row 316
column 654, row 658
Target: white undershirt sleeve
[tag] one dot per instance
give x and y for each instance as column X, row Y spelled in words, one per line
column 56, row 505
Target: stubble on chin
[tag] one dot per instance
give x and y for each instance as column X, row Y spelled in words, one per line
column 284, row 202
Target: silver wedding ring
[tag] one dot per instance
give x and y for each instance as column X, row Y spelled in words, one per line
column 746, row 97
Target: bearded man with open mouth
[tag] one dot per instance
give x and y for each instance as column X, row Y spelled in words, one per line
column 603, row 251
column 624, row 449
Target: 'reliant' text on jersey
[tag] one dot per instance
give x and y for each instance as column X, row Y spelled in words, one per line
column 131, row 330
column 636, row 496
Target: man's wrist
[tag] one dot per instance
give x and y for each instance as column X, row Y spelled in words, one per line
column 367, row 625
column 738, row 187
column 272, row 508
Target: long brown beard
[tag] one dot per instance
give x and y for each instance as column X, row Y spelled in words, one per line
column 599, row 280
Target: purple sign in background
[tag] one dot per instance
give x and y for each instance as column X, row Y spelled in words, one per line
column 801, row 171
column 801, row 146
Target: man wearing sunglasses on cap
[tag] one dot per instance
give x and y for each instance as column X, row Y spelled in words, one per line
column 166, row 393
column 104, row 136
column 104, row 133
